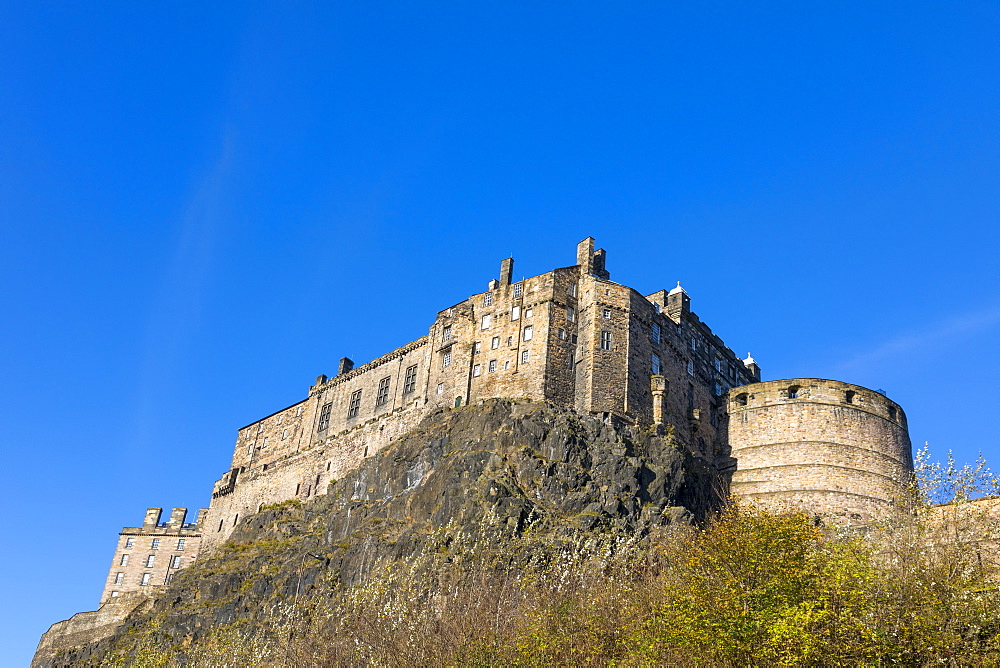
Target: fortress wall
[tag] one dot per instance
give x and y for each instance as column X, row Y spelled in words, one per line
column 830, row 447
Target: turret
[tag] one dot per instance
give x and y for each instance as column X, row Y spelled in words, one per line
column 678, row 303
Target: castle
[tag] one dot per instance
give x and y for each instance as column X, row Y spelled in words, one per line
column 573, row 337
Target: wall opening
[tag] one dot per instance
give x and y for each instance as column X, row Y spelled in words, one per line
column 849, row 396
column 793, row 392
column 741, row 399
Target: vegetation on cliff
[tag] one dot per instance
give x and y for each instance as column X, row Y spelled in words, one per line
column 525, row 535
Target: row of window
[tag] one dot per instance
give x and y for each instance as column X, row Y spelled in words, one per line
column 154, row 544
column 381, row 395
column 175, row 561
column 248, row 434
column 144, row 579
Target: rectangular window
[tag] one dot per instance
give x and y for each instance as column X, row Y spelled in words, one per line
column 656, row 307
column 280, row 418
column 440, row 388
column 690, row 367
column 527, row 333
column 476, row 370
column 656, row 365
column 524, row 357
column 528, row 312
column 562, row 334
column 718, row 365
column 175, row 561
column 284, row 434
column 495, row 343
column 488, row 299
column 605, row 340
column 477, row 347
column 168, row 578
column 145, row 579
column 517, row 289
column 506, row 365
column 656, row 333
column 124, row 560
column 487, row 321
column 382, row 396
column 264, row 442
column 355, row 406
column 572, row 361
column 570, row 314
column 493, row 366
column 694, row 343
column 119, row 578
column 446, row 333
column 446, row 358
column 510, row 340
column 155, row 545
column 606, row 313
column 572, row 290
column 515, row 313
column 180, row 543
column 150, row 560
column 129, row 542
column 410, row 379
column 324, row 416
column 298, row 411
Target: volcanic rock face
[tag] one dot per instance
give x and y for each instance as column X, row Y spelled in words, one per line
column 486, row 473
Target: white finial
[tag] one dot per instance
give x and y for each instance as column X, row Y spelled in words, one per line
column 749, row 360
column 677, row 289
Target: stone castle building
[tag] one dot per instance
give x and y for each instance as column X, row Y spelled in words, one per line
column 574, row 337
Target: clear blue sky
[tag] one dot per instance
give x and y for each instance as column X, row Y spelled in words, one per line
column 204, row 207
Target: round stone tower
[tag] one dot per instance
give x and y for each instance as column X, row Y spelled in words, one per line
column 819, row 446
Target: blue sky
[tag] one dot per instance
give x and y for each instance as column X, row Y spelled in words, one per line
column 203, row 208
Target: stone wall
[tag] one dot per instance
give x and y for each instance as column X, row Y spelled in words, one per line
column 818, row 445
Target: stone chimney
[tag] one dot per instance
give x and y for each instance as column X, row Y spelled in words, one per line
column 506, row 271
column 152, row 517
column 346, row 364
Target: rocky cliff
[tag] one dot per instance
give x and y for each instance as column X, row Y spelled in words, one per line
column 489, row 474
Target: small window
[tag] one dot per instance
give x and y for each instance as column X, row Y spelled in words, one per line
column 446, row 333
column 741, row 399
column 515, row 313
column 168, row 578
column 892, row 412
column 656, row 307
column 527, row 333
column 440, row 388
column 175, row 561
column 524, row 357
column 477, row 347
column 506, row 365
column 382, row 395
column 656, row 365
column 150, row 560
column 487, row 321
column 572, row 361
column 528, row 313
column 476, row 370
column 849, row 396
column 264, row 442
column 180, row 543
column 123, row 561
column 717, row 389
column 605, row 340
column 298, row 411
column 562, row 334
column 690, row 367
column 284, row 434
column 718, row 365
column 129, row 542
column 495, row 342
column 510, row 340
column 793, row 392
column 280, row 418
column 155, row 545
column 493, row 366
column 656, row 333
column 606, row 313
column 694, row 343
column 324, row 416
column 488, row 299
column 354, row 407
column 446, row 358
column 517, row 289
column 572, row 290
column 410, row 379
column 119, row 578
column 113, row 594
column 570, row 314
column 144, row 581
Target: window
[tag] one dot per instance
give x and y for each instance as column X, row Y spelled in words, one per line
column 446, row 333
column 528, row 312
column 175, row 561
column 264, row 442
column 446, row 358
column 298, row 411
column 487, row 320
column 410, row 379
column 495, row 343
column 506, row 365
column 718, row 365
column 510, row 340
column 527, row 333
column 694, row 343
column 382, row 396
column 155, row 545
column 562, row 334
column 572, row 360
column 656, row 365
column 517, row 289
column 355, row 406
column 656, row 333
column 605, row 340
column 690, row 367
column 656, row 307
column 488, row 299
column 606, row 313
column 524, row 357
column 440, row 388
column 515, row 313
column 168, row 578
column 741, row 399
column 477, row 370
column 717, row 389
column 149, row 560
column 793, row 392
column 570, row 314
column 324, row 416
column 145, row 579
column 129, row 542
column 119, row 578
column 572, row 290
column 284, row 434
column 123, row 561
column 848, row 399
column 180, row 543
column 280, row 418
column 493, row 366
column 477, row 347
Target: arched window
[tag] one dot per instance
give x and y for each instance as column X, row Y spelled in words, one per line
column 741, row 399
column 793, row 392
